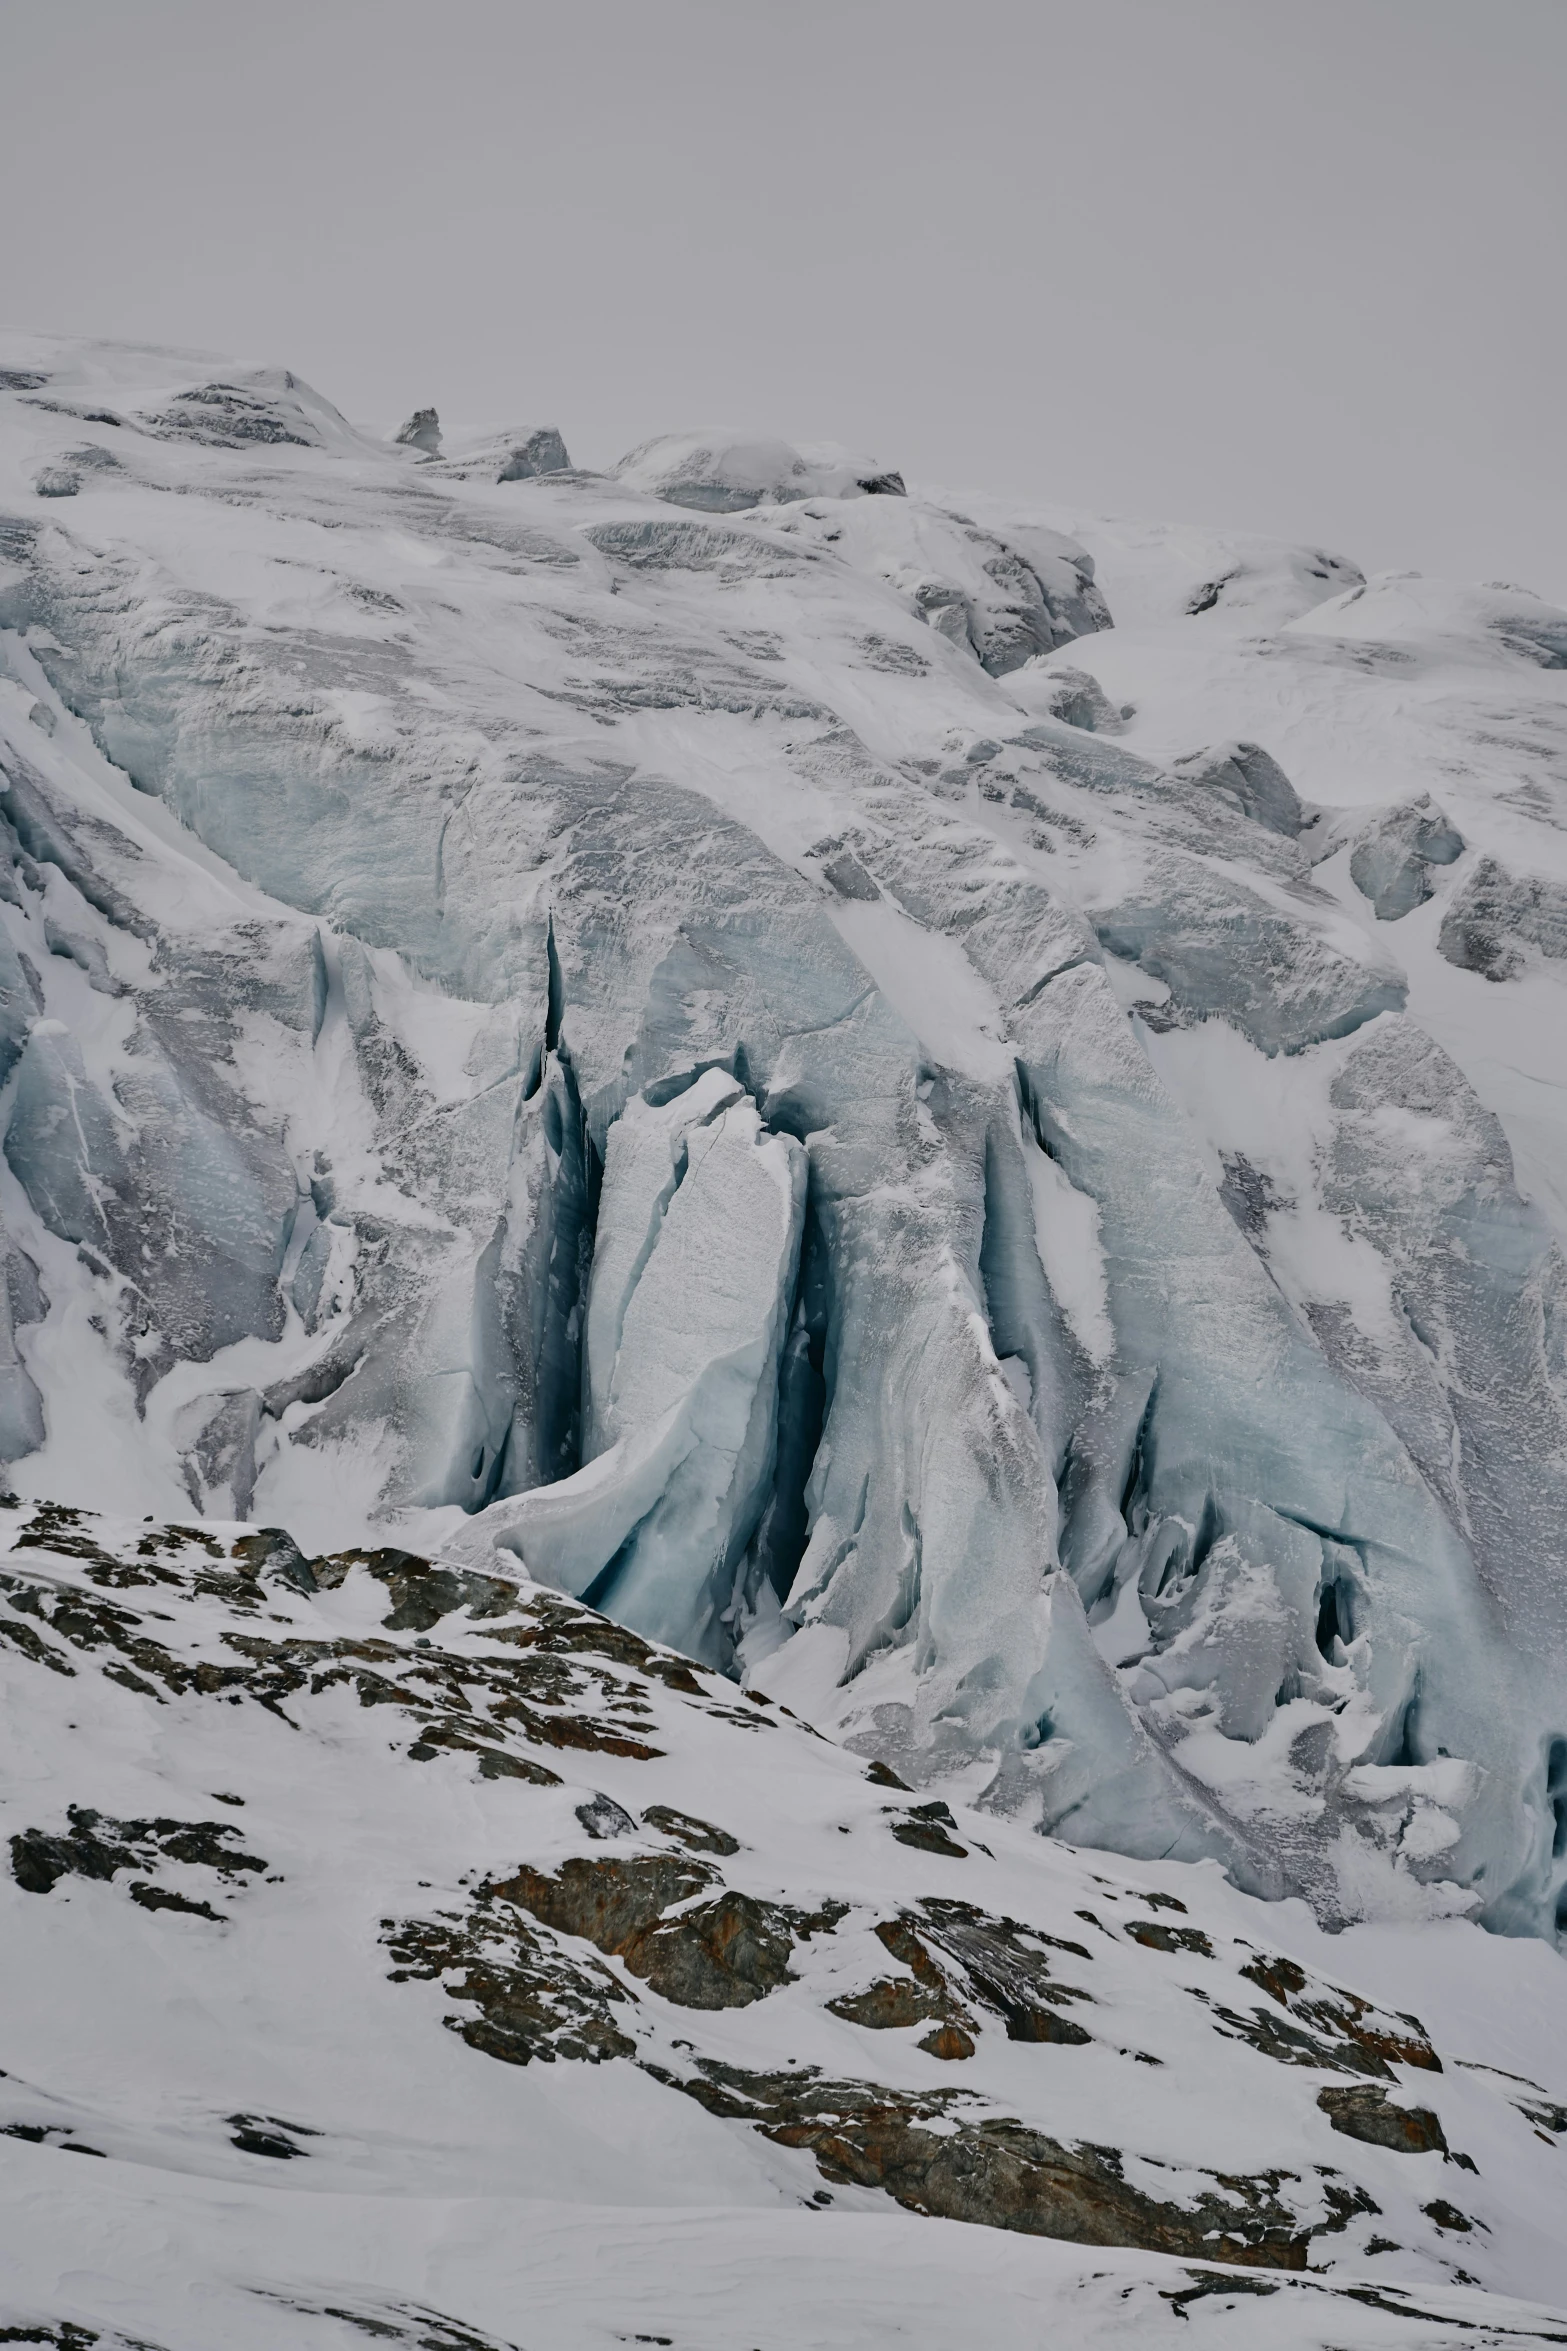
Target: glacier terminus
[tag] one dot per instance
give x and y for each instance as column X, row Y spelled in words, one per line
column 700, row 1028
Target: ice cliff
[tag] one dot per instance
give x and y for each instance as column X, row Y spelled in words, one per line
column 957, row 1112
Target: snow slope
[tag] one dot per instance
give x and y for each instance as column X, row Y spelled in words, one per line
column 418, row 1954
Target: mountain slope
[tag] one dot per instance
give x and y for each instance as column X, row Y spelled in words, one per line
column 482, row 1916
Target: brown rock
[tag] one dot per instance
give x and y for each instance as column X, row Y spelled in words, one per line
column 611, row 1902
column 889, row 2005
column 948, row 2040
column 533, row 2000
column 1366, row 2112
column 721, row 1954
column 1156, row 1937
column 999, row 2172
column 1329, row 2026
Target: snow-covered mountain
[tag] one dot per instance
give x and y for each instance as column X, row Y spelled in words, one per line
column 957, row 1114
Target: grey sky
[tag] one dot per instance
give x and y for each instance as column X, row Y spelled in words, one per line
column 1293, row 267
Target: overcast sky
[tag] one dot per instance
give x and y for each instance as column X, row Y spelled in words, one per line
column 1290, row 265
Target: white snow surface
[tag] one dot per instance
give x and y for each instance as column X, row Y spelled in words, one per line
column 810, row 1063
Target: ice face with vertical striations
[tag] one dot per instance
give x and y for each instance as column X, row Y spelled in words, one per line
column 687, row 1312
column 704, row 1028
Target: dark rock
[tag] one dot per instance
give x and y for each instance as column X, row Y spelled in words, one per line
column 1007, row 1968
column 263, row 2134
column 38, row 1862
column 930, row 1828
column 949, row 2042
column 1367, row 2113
column 54, row 1526
column 610, row 1903
column 65, row 2334
column 892, row 656
column 494, row 1762
column 697, row 1835
column 1155, row 1936
column 1205, row 2282
column 603, row 1818
column 899, row 2001
column 161, row 1898
column 272, row 1551
column 533, row 1999
column 423, row 1594
column 723, row 1953
column 998, row 2172
column 1204, row 599
column 1250, row 1194
column 1327, row 2026
column 889, row 2005
column 94, row 1847
column 1001, row 1965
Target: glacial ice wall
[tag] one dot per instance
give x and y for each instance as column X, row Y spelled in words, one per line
column 654, row 1021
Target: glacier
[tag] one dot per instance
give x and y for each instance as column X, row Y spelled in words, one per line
column 957, row 1112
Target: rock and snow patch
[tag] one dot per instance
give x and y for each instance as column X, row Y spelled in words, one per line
column 623, row 1956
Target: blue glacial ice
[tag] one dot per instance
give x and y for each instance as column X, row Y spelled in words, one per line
column 614, row 1019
